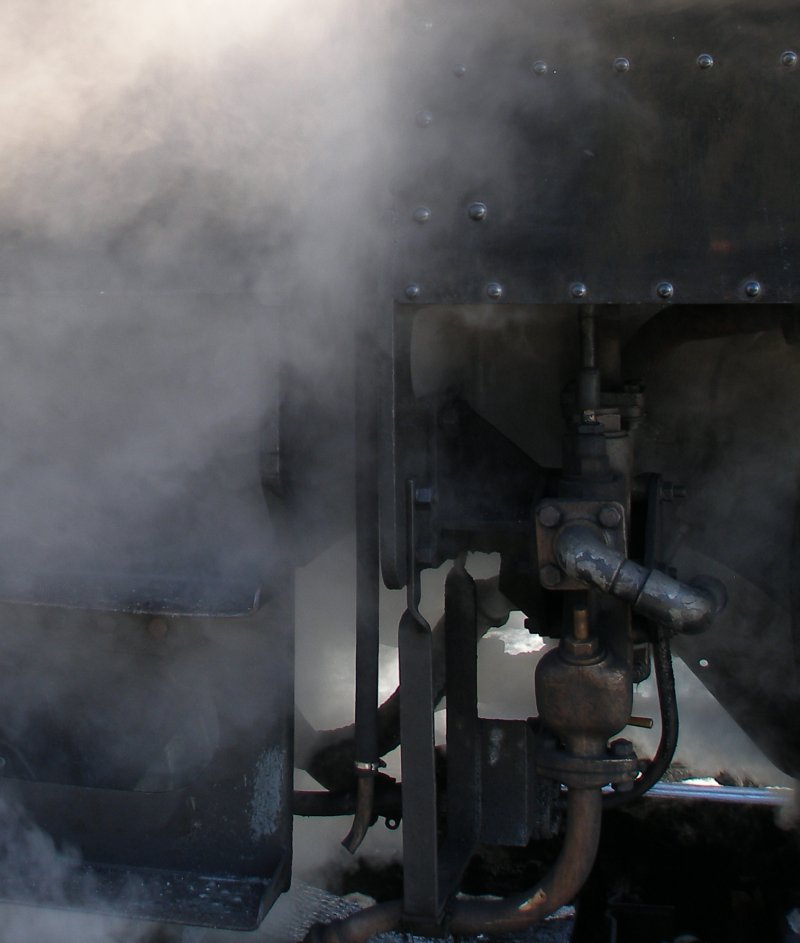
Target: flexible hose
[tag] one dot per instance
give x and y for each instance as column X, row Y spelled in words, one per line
column 668, row 705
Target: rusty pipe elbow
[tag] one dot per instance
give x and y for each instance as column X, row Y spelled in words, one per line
column 583, row 555
column 558, row 887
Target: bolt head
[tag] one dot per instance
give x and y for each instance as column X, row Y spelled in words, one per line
column 460, row 71
column 424, row 119
column 413, row 291
column 752, row 289
column 477, row 211
column 578, row 290
column 665, row 290
column 705, row 60
column 494, row 290
column 421, row 214
column 539, row 67
column 423, row 496
column 550, row 576
column 610, row 517
column 789, row 59
column 622, row 749
column 549, row 516
column 621, row 64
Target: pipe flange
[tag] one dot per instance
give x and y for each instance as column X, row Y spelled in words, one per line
column 552, row 515
column 586, row 772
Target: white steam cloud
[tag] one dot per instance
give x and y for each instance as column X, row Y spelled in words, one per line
column 188, row 195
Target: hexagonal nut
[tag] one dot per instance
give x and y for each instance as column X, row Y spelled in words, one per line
column 581, row 649
column 550, row 576
column 623, row 749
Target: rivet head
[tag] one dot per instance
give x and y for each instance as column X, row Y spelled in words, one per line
column 413, row 291
column 539, row 67
column 705, row 60
column 421, row 214
column 578, row 290
column 621, row 64
column 789, row 59
column 752, row 288
column 424, row 119
column 477, row 211
column 157, row 628
column 665, row 290
column 494, row 290
column 460, row 71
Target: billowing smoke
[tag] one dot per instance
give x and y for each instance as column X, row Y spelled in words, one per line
column 187, row 215
column 188, row 203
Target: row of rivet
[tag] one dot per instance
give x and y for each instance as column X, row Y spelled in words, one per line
column 424, row 118
column 475, row 211
column 664, row 290
column 705, row 60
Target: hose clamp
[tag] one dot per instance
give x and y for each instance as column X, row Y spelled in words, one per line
column 370, row 768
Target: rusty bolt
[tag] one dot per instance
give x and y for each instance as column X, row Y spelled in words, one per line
column 609, row 517
column 623, row 749
column 549, row 516
column 550, row 576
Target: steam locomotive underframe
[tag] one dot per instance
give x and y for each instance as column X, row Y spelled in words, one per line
column 625, row 173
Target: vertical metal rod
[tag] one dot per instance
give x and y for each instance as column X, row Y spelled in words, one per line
column 586, row 316
column 367, row 757
column 418, row 758
column 463, row 732
column 588, row 375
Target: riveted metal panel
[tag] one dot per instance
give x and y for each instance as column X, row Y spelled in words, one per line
column 619, row 151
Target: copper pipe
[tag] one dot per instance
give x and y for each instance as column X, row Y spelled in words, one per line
column 515, row 913
column 558, row 887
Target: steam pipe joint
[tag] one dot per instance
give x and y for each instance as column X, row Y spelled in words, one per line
column 679, row 606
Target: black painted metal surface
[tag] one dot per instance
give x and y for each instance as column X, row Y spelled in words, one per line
column 165, row 766
column 612, row 152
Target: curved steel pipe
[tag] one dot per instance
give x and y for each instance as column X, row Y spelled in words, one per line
column 558, row 887
column 583, row 555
